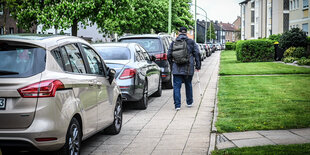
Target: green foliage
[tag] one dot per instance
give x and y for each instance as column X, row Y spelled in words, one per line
column 211, row 28
column 300, row 52
column 260, row 50
column 275, row 37
column 293, row 38
column 111, row 16
column 230, row 45
column 289, row 59
column 303, row 61
column 289, row 52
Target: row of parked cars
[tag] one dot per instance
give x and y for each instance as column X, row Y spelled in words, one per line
column 56, row 91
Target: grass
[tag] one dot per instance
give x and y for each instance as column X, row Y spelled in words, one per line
column 262, row 102
column 296, row 149
column 230, row 66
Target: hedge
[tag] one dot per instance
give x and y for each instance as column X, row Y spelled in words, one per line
column 230, row 46
column 261, row 50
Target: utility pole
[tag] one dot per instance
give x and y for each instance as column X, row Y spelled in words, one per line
column 169, row 17
column 195, row 20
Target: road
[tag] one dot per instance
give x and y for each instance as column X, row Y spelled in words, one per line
column 160, row 129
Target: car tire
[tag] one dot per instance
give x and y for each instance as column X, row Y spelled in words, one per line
column 73, row 139
column 169, row 85
column 159, row 90
column 143, row 103
column 116, row 127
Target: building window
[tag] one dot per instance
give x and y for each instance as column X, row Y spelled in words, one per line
column 286, row 5
column 252, row 16
column 1, row 9
column 297, row 4
column 305, row 28
column 11, row 30
column 253, row 5
column 305, row 3
column 1, row 30
column 252, row 31
column 286, row 22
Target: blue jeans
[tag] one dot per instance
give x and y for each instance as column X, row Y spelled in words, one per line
column 177, row 84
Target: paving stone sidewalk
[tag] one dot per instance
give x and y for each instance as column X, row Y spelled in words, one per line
column 263, row 137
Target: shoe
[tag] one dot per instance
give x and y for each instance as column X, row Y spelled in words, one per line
column 189, row 105
column 177, row 109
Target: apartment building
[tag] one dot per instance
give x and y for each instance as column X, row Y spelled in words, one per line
column 300, row 15
column 262, row 18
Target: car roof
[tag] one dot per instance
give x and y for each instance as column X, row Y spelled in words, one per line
column 114, row 44
column 144, row 36
column 42, row 40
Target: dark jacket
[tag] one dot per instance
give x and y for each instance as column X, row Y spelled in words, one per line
column 186, row 69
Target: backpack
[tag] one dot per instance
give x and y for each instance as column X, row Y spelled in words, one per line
column 179, row 52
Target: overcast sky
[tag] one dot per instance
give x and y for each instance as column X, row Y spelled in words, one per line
column 221, row 10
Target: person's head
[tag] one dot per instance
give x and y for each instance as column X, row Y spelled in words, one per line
column 183, row 30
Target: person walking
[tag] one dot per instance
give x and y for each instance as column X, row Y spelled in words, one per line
column 183, row 55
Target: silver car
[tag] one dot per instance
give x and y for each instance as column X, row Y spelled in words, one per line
column 55, row 91
column 137, row 75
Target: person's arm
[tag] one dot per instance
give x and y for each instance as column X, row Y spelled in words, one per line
column 197, row 57
column 169, row 56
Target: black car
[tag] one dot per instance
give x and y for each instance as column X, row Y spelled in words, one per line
column 156, row 45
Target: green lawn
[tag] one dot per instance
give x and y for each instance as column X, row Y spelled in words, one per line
column 230, row 66
column 262, row 102
column 298, row 149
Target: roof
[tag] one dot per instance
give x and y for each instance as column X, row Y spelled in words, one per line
column 227, row 26
column 118, row 44
column 245, row 1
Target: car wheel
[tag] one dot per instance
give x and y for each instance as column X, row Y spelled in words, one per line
column 159, row 90
column 168, row 85
column 73, row 139
column 143, row 103
column 115, row 128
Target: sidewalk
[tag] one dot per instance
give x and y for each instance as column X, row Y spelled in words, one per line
column 259, row 138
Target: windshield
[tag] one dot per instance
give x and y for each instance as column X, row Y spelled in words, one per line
column 151, row 45
column 114, row 53
column 20, row 60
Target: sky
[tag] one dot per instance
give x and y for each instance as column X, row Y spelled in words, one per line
column 220, row 10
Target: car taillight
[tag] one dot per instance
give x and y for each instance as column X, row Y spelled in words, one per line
column 128, row 73
column 162, row 56
column 41, row 89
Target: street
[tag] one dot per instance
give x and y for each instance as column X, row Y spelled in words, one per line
column 160, row 129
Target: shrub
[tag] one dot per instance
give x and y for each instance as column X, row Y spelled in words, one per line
column 260, row 50
column 289, row 59
column 275, row 37
column 303, row 61
column 230, row 46
column 300, row 52
column 293, row 38
column 289, row 52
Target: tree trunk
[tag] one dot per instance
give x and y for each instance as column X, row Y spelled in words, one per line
column 4, row 14
column 74, row 28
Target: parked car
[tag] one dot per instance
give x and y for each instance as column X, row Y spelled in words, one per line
column 201, row 51
column 158, row 46
column 218, row 46
column 55, row 91
column 204, row 52
column 137, row 75
column 208, row 50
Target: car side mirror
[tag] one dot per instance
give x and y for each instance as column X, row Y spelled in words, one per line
column 153, row 58
column 111, row 74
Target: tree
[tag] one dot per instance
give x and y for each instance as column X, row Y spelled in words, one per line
column 8, row 6
column 211, row 28
column 293, row 38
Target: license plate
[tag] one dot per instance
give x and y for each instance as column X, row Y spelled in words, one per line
column 2, row 103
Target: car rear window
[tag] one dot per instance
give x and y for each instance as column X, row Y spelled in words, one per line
column 20, row 60
column 114, row 53
column 152, row 45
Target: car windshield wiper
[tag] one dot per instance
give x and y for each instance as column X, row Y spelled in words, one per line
column 3, row 72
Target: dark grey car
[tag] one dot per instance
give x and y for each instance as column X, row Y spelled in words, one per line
column 156, row 45
column 137, row 75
